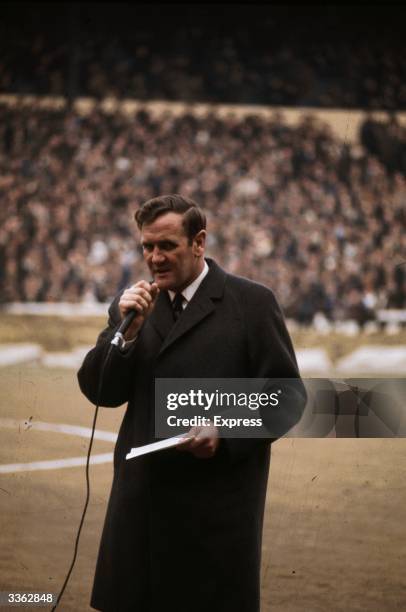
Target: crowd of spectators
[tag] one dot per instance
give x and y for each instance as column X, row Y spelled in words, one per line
column 273, row 59
column 320, row 221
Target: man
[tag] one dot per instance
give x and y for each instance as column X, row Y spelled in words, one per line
column 183, row 526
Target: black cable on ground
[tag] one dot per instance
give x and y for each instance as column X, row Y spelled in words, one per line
column 68, row 575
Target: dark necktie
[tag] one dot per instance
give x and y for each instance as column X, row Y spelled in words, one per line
column 177, row 306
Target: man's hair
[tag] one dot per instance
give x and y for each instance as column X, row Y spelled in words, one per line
column 194, row 219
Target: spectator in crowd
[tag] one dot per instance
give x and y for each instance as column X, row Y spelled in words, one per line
column 387, row 142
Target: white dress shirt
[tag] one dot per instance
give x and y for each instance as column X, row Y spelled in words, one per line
column 187, row 295
column 191, row 289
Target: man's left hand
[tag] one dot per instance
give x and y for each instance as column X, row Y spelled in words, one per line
column 202, row 442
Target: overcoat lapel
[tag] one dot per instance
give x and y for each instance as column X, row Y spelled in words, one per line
column 200, row 306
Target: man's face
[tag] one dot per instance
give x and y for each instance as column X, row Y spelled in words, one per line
column 173, row 262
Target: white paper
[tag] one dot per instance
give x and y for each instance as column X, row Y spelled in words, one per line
column 154, row 447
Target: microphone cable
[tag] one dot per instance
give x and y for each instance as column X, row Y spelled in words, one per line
column 76, row 548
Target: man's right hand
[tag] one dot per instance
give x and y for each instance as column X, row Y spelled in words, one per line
column 141, row 298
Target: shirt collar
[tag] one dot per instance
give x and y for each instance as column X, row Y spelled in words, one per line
column 191, row 289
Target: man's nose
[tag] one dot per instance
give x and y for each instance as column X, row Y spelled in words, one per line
column 157, row 256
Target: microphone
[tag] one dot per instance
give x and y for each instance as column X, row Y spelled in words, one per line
column 125, row 324
column 118, row 339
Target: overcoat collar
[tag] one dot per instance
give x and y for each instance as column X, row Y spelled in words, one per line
column 200, row 306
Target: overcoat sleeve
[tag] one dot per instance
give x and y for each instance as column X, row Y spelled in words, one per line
column 118, row 375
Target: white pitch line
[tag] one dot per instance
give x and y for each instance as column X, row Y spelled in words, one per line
column 73, row 430
column 55, row 464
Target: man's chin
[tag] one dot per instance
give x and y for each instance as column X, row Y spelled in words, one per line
column 163, row 280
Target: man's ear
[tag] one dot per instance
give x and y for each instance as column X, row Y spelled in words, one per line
column 199, row 243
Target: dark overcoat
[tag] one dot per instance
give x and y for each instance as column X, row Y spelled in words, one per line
column 183, row 533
